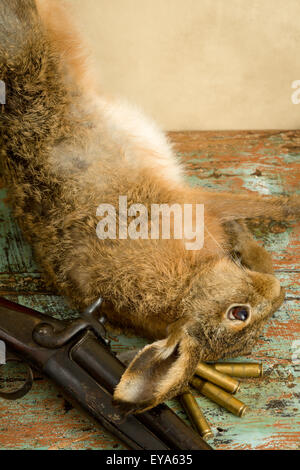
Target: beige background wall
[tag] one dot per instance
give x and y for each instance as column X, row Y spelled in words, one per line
column 199, row 64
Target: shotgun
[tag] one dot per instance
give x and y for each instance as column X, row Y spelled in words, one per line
column 77, row 357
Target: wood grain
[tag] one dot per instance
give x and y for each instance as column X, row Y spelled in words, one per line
column 267, row 162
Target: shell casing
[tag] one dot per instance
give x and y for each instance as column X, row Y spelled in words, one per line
column 239, row 369
column 219, row 396
column 195, row 415
column 218, row 378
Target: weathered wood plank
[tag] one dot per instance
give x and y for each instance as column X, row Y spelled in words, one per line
column 283, row 245
column 267, row 162
column 281, row 239
column 16, row 255
column 44, row 420
column 290, row 280
column 33, row 283
column 273, row 419
column 274, row 398
column 26, row 283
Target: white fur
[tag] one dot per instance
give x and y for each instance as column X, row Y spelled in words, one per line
column 134, row 389
column 140, row 140
column 118, row 135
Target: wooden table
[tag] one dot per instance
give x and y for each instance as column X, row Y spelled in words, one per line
column 268, row 162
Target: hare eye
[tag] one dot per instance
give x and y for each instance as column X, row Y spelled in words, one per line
column 238, row 313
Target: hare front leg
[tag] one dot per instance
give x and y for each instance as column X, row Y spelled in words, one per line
column 242, row 244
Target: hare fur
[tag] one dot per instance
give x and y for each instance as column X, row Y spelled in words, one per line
column 66, row 148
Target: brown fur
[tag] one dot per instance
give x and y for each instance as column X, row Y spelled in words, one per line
column 154, row 287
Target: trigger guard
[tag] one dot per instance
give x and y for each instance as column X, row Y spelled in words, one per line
column 22, row 391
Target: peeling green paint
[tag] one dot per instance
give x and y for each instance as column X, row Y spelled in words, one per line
column 222, row 161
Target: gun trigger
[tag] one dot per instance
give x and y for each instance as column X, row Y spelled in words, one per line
column 22, row 391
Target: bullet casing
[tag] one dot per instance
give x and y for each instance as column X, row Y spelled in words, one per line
column 195, row 415
column 216, row 377
column 219, row 396
column 239, row 369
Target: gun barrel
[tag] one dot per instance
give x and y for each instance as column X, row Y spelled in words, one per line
column 82, row 390
column 86, row 371
column 16, row 326
column 107, row 370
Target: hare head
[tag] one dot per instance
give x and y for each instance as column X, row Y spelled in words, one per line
column 222, row 316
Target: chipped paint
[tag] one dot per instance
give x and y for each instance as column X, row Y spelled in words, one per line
column 268, row 162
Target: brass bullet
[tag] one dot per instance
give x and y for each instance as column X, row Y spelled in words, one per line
column 239, row 369
column 195, row 415
column 219, row 396
column 209, row 373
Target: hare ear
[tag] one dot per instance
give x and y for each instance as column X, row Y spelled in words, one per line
column 158, row 372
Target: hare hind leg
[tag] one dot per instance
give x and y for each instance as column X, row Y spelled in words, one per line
column 243, row 246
